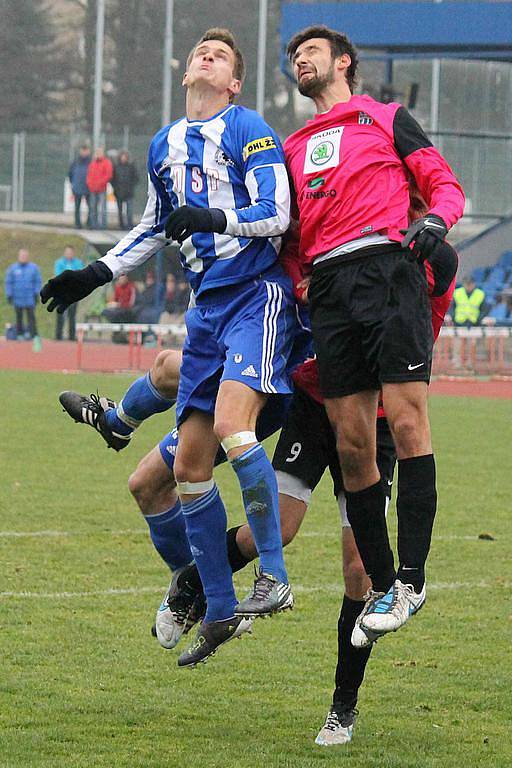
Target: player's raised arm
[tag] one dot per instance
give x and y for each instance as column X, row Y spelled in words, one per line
column 266, row 179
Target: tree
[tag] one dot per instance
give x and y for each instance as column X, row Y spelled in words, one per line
column 29, row 66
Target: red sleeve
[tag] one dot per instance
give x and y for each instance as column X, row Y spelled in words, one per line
column 290, row 259
column 439, row 306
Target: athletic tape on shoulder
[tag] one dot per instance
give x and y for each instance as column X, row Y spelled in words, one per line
column 203, row 487
column 238, row 440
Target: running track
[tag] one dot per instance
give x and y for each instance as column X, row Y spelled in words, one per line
column 109, row 358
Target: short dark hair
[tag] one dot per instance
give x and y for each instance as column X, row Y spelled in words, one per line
column 225, row 36
column 339, row 43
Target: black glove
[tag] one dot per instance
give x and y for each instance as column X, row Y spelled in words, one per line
column 184, row 221
column 73, row 285
column 444, row 263
column 425, row 234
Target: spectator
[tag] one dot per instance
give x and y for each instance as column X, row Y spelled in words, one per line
column 182, row 296
column 67, row 261
column 173, row 301
column 468, row 303
column 149, row 302
column 124, row 180
column 121, row 308
column 22, row 285
column 99, row 174
column 77, row 175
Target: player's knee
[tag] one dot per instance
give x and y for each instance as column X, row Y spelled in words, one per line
column 354, row 456
column 138, row 487
column 190, row 471
column 409, row 430
column 165, row 372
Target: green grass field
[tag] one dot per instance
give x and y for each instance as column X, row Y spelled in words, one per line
column 82, row 682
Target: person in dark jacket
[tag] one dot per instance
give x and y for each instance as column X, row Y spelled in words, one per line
column 124, row 180
column 77, row 175
column 22, row 285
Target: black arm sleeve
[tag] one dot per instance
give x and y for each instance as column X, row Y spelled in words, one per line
column 408, row 134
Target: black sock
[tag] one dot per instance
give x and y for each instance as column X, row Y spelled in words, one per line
column 190, row 575
column 237, row 560
column 416, row 509
column 366, row 511
column 351, row 661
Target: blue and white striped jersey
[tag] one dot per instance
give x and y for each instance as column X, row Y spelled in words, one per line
column 233, row 161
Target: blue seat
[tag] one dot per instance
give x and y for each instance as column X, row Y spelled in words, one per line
column 506, row 259
column 499, row 312
column 497, row 274
column 478, row 274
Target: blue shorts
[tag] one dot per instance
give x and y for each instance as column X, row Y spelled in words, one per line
column 270, row 420
column 239, row 333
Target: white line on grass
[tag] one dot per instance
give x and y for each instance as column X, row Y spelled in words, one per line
column 141, row 531
column 299, row 588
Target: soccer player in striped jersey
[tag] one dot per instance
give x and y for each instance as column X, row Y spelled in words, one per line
column 218, row 186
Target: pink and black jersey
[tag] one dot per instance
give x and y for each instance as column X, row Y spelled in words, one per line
column 350, row 168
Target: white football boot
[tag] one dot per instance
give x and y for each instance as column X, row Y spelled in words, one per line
column 391, row 611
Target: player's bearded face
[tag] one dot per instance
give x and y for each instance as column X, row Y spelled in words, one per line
column 311, row 82
column 314, row 67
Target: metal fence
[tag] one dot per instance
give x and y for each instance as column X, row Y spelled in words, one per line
column 473, row 351
column 33, row 168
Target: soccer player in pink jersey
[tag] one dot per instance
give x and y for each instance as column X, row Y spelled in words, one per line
column 371, row 320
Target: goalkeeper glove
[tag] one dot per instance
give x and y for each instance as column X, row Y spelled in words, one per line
column 184, row 221
column 73, row 285
column 425, row 234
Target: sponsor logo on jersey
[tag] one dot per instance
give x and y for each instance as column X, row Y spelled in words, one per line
column 323, row 150
column 250, row 371
column 222, row 159
column 322, row 153
column 364, row 119
column 315, row 183
column 320, row 194
column 365, row 230
column 258, row 145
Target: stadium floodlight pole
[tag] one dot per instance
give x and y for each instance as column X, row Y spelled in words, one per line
column 167, row 65
column 98, row 72
column 434, row 100
column 262, row 55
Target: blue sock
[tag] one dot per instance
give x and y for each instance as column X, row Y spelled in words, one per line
column 206, row 523
column 141, row 400
column 169, row 536
column 259, row 490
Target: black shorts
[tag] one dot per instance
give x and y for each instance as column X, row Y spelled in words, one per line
column 371, row 322
column 307, row 446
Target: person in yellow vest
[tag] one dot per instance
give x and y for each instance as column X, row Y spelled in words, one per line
column 468, row 310
column 468, row 301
